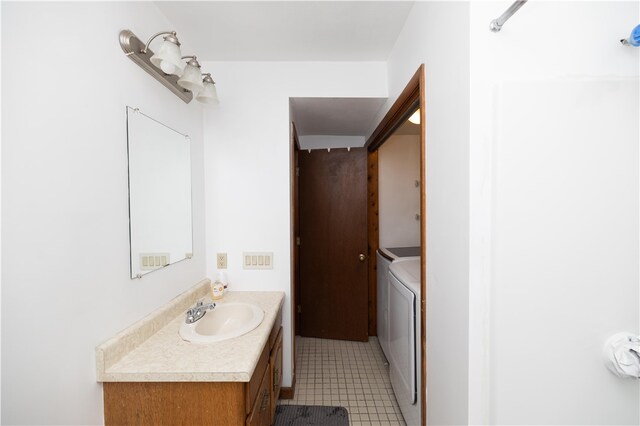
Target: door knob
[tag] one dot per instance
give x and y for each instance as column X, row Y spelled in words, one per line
column 362, row 257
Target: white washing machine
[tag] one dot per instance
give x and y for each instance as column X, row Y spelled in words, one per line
column 385, row 257
column 404, row 334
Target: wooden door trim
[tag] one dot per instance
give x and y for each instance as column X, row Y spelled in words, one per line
column 423, row 243
column 412, row 96
column 294, row 146
column 373, row 237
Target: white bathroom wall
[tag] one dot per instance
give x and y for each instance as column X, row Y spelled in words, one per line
column 65, row 236
column 436, row 34
column 554, row 212
column 247, row 162
column 398, row 196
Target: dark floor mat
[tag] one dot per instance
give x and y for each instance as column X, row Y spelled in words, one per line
column 300, row 415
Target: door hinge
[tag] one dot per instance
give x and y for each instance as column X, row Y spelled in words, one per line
column 297, row 171
column 299, row 309
column 297, row 241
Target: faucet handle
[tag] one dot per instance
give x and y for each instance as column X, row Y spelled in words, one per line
column 193, row 310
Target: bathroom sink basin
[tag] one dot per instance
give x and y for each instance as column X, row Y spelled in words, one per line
column 226, row 321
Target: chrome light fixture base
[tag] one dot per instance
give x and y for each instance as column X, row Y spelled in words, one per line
column 136, row 51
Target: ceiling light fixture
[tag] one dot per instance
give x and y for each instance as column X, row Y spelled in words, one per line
column 415, row 117
column 167, row 66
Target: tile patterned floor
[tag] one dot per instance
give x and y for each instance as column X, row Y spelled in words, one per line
column 348, row 374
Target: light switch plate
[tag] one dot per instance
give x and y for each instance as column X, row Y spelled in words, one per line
column 257, row 260
column 151, row 261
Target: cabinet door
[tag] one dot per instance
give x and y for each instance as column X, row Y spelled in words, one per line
column 275, row 364
column 260, row 414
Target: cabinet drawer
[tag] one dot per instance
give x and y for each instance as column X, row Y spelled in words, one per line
column 260, row 415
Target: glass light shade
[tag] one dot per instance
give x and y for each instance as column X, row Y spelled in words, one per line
column 191, row 79
column 168, row 58
column 167, row 67
column 415, row 117
column 208, row 95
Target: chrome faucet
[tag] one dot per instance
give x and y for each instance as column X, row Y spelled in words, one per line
column 198, row 311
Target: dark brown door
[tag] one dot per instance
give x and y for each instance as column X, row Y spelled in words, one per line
column 333, row 244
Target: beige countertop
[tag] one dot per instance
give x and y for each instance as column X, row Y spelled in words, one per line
column 165, row 357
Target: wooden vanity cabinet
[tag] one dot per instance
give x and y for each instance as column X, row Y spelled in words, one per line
column 263, row 401
column 275, row 369
column 260, row 413
column 250, row 403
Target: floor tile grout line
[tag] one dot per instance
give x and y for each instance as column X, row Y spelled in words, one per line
column 349, row 374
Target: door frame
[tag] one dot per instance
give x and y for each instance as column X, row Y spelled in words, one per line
column 294, row 148
column 411, row 97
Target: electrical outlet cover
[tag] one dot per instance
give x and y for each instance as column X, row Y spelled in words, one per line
column 221, row 260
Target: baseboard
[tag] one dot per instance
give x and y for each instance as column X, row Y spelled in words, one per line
column 287, row 393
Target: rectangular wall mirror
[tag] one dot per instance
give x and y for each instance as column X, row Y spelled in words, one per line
column 160, row 223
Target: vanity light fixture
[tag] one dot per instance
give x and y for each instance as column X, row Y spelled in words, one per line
column 167, row 65
column 208, row 95
column 415, row 117
column 167, row 58
column 191, row 78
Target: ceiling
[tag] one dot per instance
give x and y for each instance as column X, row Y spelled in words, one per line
column 296, row 31
column 288, row 30
column 335, row 116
